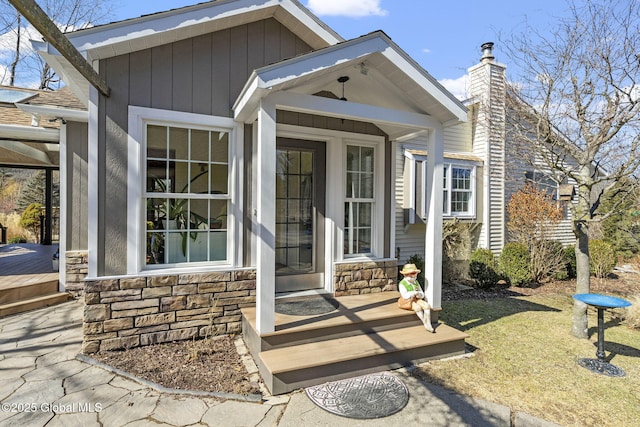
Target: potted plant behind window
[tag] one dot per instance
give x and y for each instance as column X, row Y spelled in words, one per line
column 175, row 214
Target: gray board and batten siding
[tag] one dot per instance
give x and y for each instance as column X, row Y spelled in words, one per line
column 202, row 75
column 77, row 159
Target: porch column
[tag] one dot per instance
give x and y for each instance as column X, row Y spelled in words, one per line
column 433, row 238
column 266, row 218
column 48, row 202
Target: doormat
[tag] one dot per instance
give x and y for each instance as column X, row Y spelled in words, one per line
column 366, row 397
column 306, row 306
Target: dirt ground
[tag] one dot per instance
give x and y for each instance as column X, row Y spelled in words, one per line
column 214, row 365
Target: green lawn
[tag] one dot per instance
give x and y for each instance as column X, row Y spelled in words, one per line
column 526, row 359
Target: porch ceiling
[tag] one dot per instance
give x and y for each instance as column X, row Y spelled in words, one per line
column 380, row 74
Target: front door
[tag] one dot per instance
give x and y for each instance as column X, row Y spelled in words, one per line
column 300, row 203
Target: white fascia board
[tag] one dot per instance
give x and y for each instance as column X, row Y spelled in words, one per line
column 26, row 150
column 69, row 114
column 350, row 110
column 72, row 77
column 311, row 21
column 431, row 85
column 179, row 19
column 249, row 98
column 30, row 133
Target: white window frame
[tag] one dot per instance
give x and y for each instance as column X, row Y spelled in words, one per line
column 446, row 211
column 139, row 118
column 374, row 205
column 418, row 206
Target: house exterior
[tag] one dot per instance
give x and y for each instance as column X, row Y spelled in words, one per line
column 247, row 151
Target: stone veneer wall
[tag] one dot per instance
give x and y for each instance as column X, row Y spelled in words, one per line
column 354, row 278
column 76, row 269
column 132, row 312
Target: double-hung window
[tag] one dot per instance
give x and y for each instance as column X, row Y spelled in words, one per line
column 186, row 195
column 459, row 189
column 359, row 206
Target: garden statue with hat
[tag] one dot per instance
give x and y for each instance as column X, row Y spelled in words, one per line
column 412, row 296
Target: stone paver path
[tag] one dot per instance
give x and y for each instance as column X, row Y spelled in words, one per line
column 42, row 383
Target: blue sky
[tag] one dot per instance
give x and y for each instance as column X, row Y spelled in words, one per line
column 444, row 37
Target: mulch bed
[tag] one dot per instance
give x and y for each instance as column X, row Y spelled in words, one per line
column 212, row 365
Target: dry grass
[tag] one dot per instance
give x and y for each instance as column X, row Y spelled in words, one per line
column 526, row 359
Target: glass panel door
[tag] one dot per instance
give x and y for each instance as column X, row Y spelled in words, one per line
column 299, row 215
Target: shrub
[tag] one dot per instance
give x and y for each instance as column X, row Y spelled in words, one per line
column 569, row 253
column 632, row 314
column 456, row 248
column 482, row 268
column 602, row 258
column 546, row 259
column 514, row 263
column 17, row 239
column 30, row 219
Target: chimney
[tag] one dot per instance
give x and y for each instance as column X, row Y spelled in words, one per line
column 487, row 52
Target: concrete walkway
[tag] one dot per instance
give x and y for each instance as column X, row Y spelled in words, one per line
column 42, row 383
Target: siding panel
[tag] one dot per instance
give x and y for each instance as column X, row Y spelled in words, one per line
column 202, row 87
column 202, row 75
column 182, row 75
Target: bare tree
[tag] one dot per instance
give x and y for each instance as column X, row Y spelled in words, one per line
column 577, row 103
column 69, row 15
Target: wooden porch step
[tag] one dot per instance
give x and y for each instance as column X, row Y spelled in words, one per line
column 367, row 333
column 21, row 291
column 33, row 303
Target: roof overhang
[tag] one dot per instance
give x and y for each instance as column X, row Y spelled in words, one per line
column 382, row 76
column 29, row 145
column 157, row 29
column 53, row 112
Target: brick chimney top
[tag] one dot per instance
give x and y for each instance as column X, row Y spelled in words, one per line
column 487, row 52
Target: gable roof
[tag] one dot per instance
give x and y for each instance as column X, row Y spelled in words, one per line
column 148, row 31
column 381, row 74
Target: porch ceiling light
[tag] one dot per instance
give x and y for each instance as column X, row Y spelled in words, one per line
column 343, row 80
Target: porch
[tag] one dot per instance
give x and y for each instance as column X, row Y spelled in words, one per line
column 364, row 334
column 27, row 279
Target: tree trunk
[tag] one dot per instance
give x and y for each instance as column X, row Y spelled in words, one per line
column 579, row 326
column 14, row 64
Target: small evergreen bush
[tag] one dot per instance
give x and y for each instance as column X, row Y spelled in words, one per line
column 602, row 258
column 514, row 263
column 570, row 261
column 17, row 239
column 482, row 268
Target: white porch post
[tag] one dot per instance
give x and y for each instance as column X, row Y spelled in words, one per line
column 266, row 218
column 92, row 184
column 433, row 238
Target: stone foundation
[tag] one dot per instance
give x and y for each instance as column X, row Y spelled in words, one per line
column 138, row 311
column 355, row 278
column 76, row 269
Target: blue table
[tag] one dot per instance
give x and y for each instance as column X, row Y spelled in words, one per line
column 601, row 302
